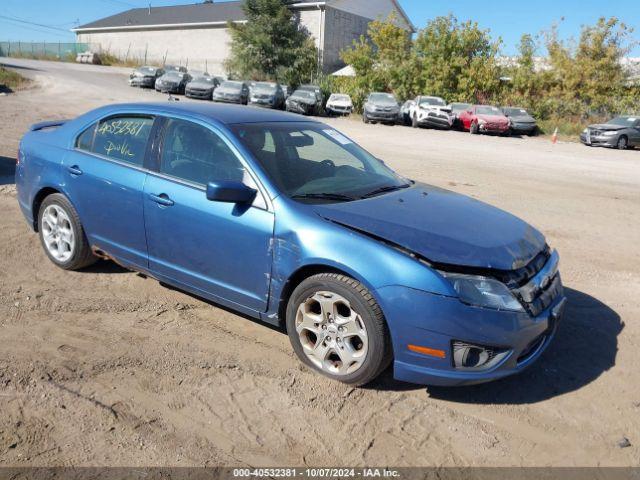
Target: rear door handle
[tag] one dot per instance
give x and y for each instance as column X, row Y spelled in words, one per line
column 75, row 170
column 162, row 199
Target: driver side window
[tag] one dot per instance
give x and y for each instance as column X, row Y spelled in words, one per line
column 194, row 153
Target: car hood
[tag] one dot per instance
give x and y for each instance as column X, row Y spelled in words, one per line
column 607, row 126
column 442, row 226
column 493, row 118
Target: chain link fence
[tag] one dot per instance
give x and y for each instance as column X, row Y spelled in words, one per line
column 45, row 50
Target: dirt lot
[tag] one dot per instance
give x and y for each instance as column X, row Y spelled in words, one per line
column 104, row 367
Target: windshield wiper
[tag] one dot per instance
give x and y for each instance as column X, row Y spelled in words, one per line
column 324, row 196
column 386, row 189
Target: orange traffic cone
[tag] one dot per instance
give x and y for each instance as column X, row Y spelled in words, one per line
column 554, row 137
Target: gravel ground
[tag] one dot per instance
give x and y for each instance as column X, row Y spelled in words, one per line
column 104, row 367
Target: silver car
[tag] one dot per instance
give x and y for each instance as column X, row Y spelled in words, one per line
column 202, row 87
column 267, row 94
column 381, row 107
column 620, row 132
column 232, row 92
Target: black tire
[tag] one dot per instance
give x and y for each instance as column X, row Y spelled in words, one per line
column 622, row 143
column 82, row 256
column 379, row 353
column 474, row 129
column 365, row 119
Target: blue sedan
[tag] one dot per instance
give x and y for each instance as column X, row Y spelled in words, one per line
column 288, row 220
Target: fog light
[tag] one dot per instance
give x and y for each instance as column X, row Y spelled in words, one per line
column 476, row 357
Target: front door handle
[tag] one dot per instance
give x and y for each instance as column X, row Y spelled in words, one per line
column 162, row 199
column 75, row 170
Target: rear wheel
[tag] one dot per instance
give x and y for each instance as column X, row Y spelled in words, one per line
column 62, row 235
column 337, row 328
column 623, row 143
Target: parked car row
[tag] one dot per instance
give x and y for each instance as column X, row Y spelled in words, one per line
column 435, row 112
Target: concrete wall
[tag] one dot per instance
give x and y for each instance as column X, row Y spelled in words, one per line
column 341, row 29
column 373, row 9
column 195, row 47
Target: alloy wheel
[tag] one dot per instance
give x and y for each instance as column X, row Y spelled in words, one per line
column 58, row 233
column 332, row 334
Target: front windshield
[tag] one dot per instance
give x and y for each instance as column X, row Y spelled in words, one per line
column 460, row 106
column 382, row 97
column 340, row 98
column 204, row 79
column 265, row 87
column 231, row 85
column 304, row 94
column 623, row 121
column 515, row 111
column 488, row 111
column 432, row 101
column 314, row 163
column 174, row 74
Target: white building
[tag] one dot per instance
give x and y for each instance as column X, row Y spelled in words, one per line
column 197, row 35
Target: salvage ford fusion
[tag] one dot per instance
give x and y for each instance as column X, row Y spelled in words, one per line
column 291, row 222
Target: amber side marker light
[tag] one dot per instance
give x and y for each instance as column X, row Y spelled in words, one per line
column 432, row 352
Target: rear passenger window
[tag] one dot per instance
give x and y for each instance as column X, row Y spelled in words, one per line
column 123, row 138
column 194, row 153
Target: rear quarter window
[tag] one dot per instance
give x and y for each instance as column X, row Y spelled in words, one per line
column 85, row 139
column 123, row 138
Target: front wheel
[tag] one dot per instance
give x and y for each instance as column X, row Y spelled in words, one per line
column 62, row 235
column 623, row 143
column 474, row 129
column 337, row 328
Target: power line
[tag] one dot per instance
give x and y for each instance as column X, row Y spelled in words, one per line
column 27, row 22
column 34, row 29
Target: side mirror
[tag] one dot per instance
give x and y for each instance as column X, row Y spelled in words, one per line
column 230, row 192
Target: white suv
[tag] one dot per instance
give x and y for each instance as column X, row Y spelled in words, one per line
column 430, row 112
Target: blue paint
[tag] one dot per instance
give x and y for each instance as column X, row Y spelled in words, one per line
column 244, row 256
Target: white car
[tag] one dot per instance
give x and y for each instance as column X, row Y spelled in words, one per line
column 431, row 112
column 339, row 104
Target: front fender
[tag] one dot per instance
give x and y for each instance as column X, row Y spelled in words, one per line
column 303, row 239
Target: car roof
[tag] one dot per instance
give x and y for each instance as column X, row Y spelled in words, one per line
column 227, row 114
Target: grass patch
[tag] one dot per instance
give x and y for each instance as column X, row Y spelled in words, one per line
column 10, row 79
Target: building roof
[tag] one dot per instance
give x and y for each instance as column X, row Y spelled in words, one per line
column 199, row 14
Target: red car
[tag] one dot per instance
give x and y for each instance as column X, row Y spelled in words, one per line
column 485, row 119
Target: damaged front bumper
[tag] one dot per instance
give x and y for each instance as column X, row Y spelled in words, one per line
column 459, row 344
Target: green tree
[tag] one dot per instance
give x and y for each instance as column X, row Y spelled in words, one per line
column 271, row 45
column 457, row 61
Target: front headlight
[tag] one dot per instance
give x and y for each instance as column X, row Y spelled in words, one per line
column 481, row 121
column 483, row 292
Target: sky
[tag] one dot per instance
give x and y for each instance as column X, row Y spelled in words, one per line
column 50, row 20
